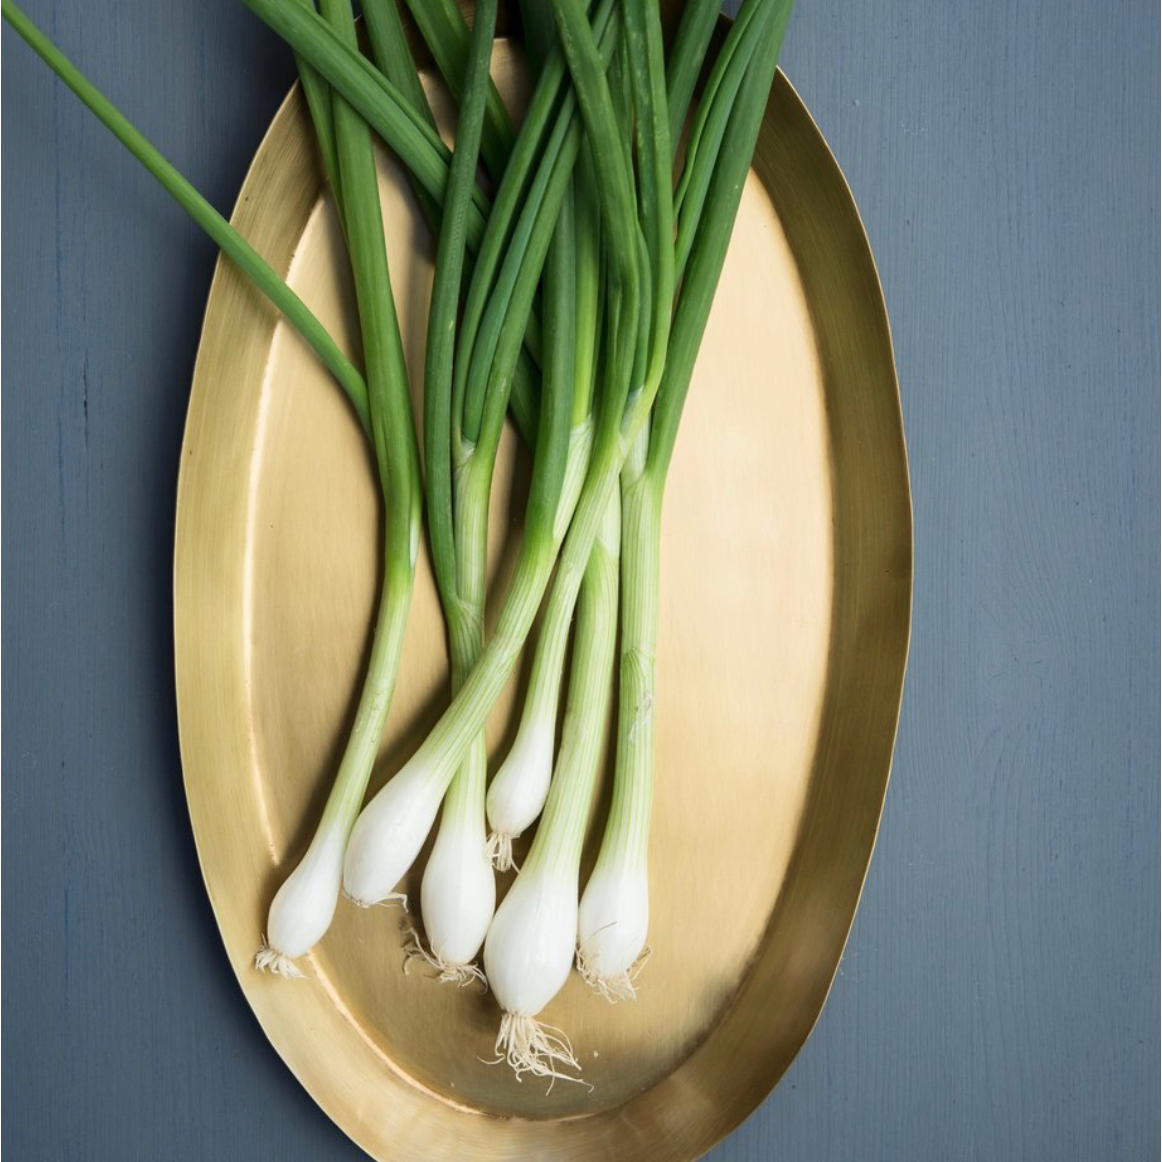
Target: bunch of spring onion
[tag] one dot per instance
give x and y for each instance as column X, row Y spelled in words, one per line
column 530, row 943
column 591, row 261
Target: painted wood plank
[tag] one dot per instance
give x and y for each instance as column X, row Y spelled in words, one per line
column 999, row 998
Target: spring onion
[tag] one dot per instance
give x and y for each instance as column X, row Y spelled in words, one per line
column 614, row 910
column 529, row 951
column 458, row 892
column 304, row 905
column 390, row 831
column 518, row 790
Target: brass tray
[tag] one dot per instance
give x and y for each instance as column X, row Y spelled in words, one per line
column 783, row 637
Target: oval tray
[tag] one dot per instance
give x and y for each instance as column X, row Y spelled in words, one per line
column 783, row 637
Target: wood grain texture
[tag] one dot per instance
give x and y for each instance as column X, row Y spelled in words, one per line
column 999, row 996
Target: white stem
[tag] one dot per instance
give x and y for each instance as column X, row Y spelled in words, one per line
column 303, row 906
column 519, row 788
column 389, row 833
column 529, row 950
column 518, row 791
column 614, row 913
column 458, row 892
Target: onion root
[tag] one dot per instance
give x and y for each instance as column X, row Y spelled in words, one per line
column 499, row 851
column 621, row 986
column 450, row 971
column 530, row 1046
column 268, row 959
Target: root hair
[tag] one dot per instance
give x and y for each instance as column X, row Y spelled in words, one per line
column 446, row 970
column 530, row 1046
column 268, row 959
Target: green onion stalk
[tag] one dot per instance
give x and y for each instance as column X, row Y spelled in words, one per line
column 392, row 55
column 391, row 829
column 531, row 945
column 304, row 905
column 400, row 116
column 529, row 950
column 217, row 228
column 458, row 894
column 614, row 911
column 441, row 24
column 524, row 775
column 520, row 788
column 458, row 888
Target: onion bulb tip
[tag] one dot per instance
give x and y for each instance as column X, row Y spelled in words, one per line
column 618, row 986
column 268, row 959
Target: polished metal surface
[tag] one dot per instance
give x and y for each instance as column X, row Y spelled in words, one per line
column 784, row 629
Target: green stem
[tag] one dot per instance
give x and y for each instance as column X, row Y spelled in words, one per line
column 458, row 506
column 552, row 238
column 525, row 160
column 363, row 742
column 392, row 55
column 464, row 802
column 442, row 26
column 561, row 832
column 441, row 344
column 714, row 110
column 223, row 234
column 504, row 266
column 627, row 829
column 318, row 95
column 709, row 246
column 643, row 42
column 393, row 433
column 686, row 56
column 393, row 58
column 380, row 103
column 589, row 286
column 511, row 302
column 615, row 192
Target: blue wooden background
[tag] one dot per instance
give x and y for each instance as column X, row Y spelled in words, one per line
column 1000, row 995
